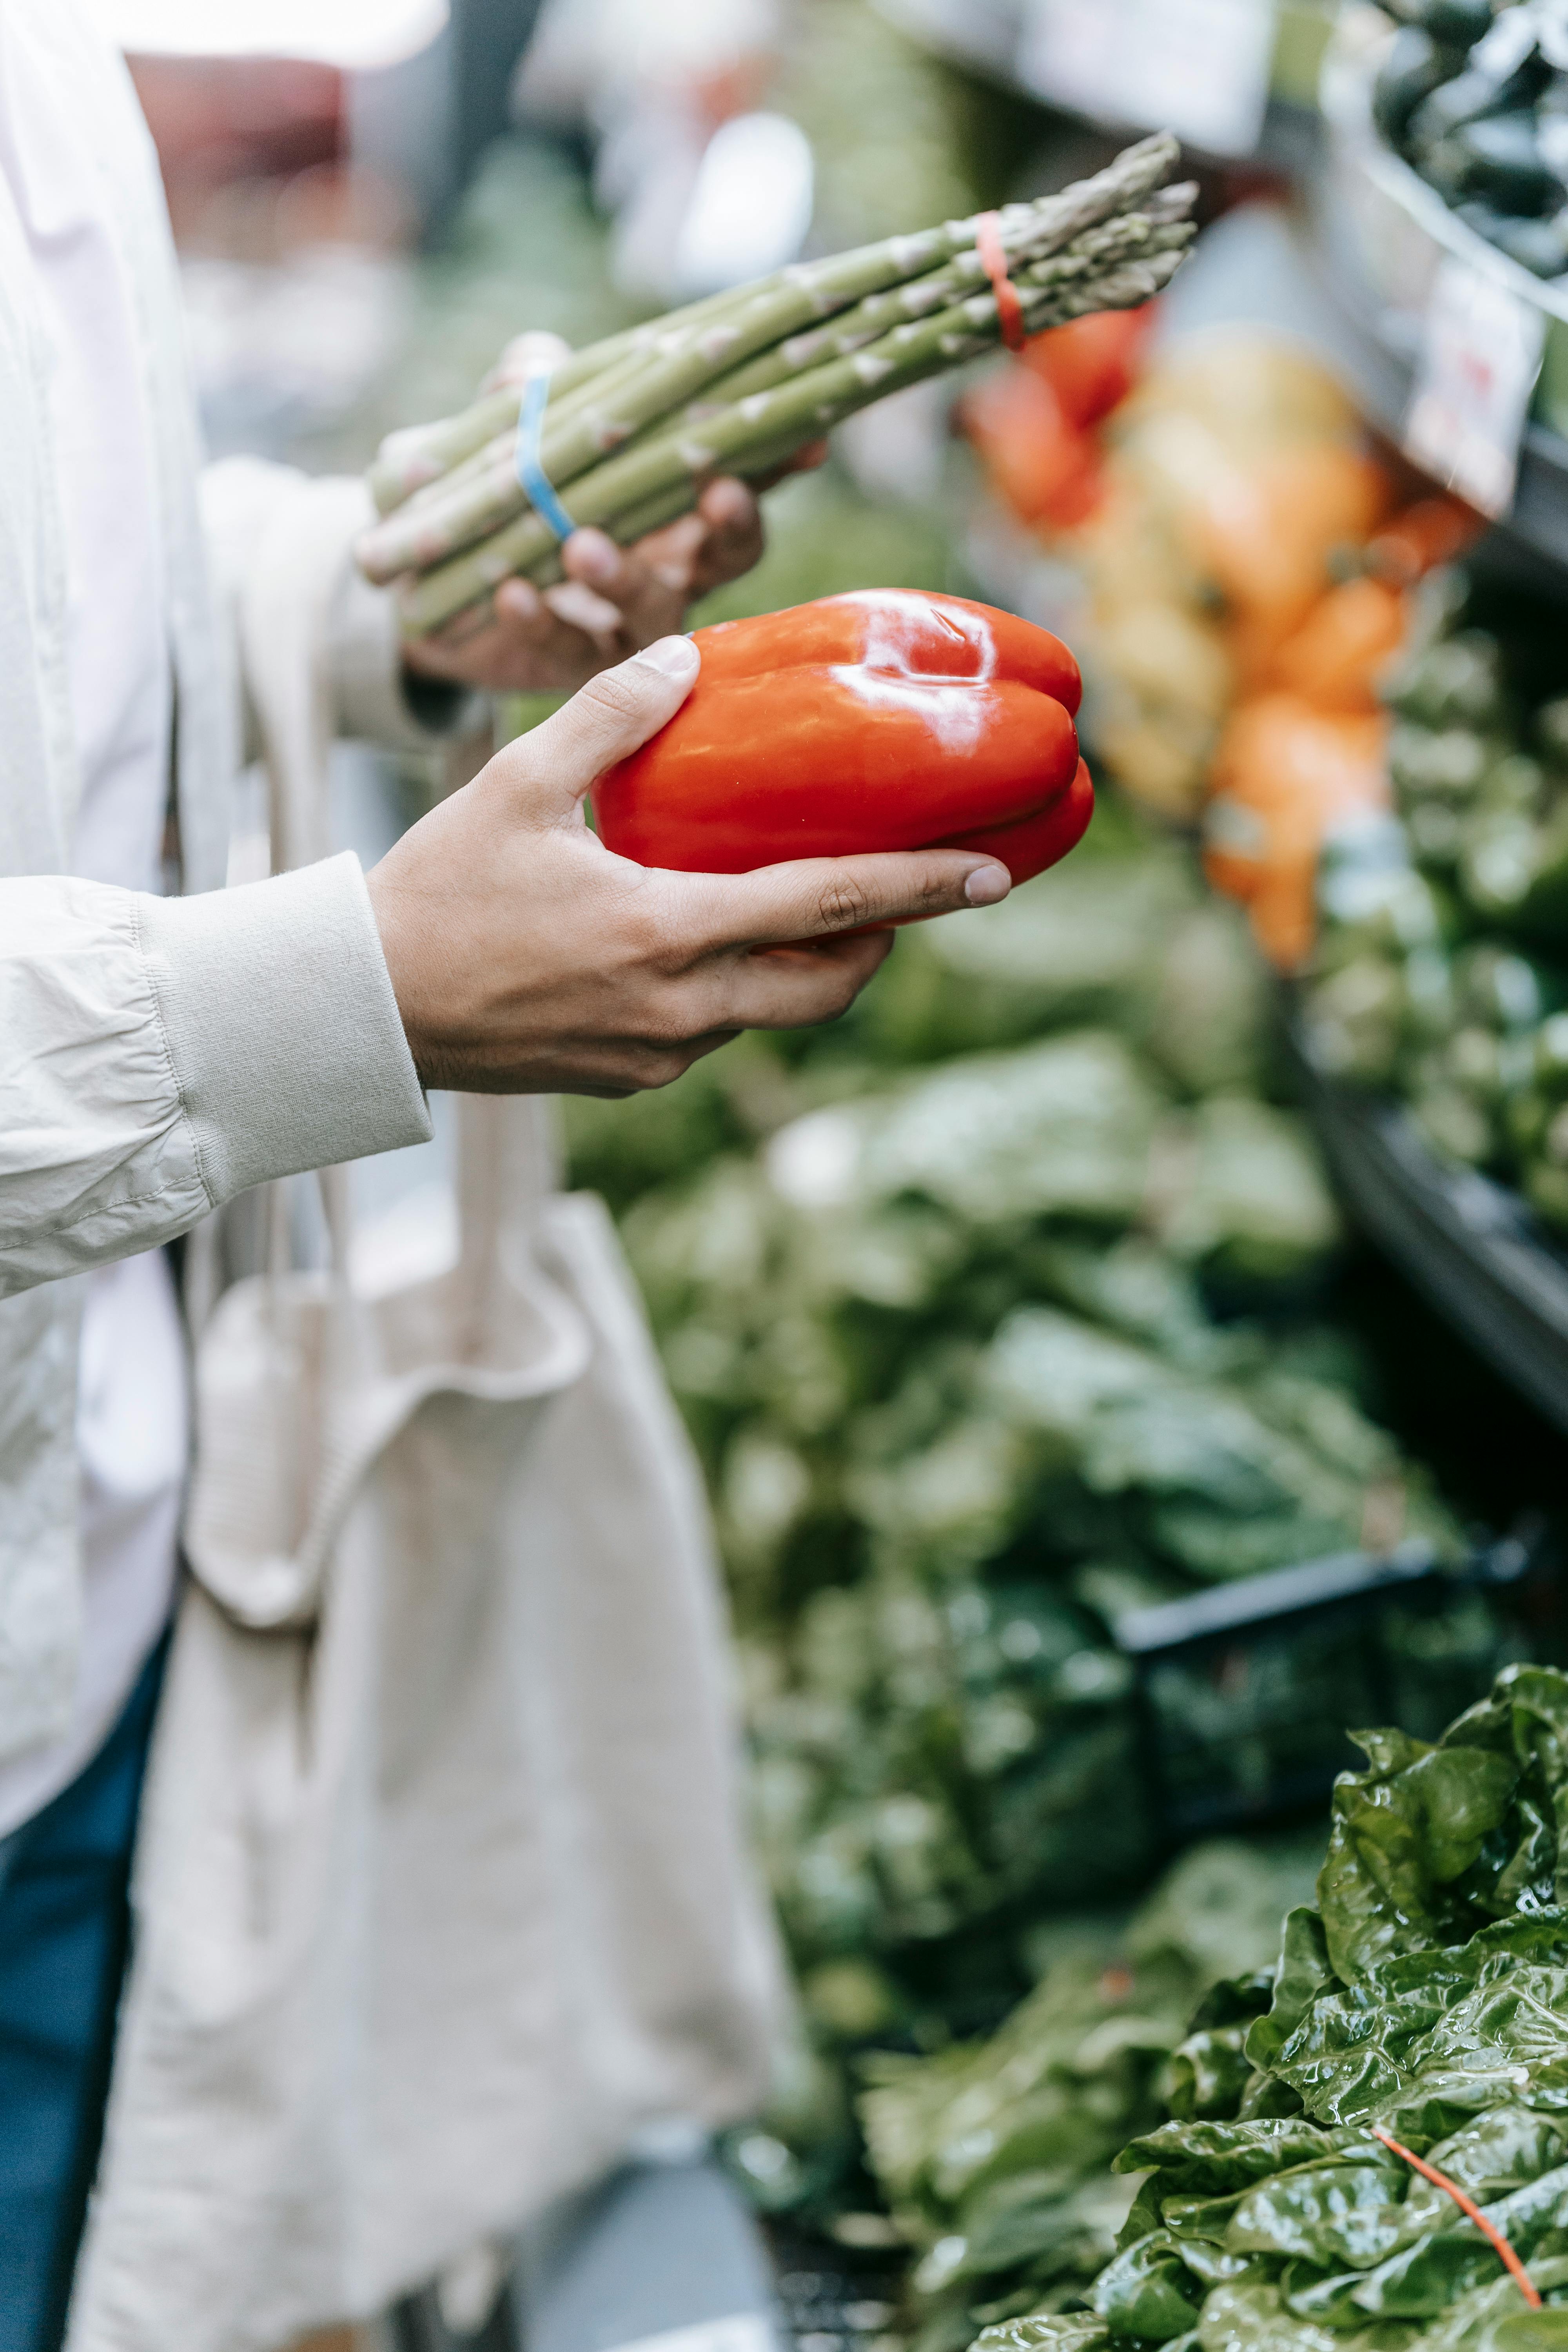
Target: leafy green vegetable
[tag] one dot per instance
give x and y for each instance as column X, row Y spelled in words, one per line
column 1426, row 1998
column 995, row 2158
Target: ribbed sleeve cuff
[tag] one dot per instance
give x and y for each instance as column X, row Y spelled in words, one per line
column 281, row 1026
column 379, row 701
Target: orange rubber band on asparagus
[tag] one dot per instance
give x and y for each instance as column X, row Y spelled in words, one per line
column 1467, row 2205
column 993, row 261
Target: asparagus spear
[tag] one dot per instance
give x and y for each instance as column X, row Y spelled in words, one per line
column 416, row 456
column 1124, row 239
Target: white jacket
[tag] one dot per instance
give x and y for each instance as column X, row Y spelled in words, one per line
column 440, row 1896
column 156, row 1056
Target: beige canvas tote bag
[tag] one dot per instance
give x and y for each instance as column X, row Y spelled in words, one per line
column 440, row 1899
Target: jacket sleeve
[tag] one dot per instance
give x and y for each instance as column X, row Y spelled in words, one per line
column 159, row 1055
column 266, row 527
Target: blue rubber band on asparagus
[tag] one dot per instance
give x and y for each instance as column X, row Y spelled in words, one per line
column 530, row 474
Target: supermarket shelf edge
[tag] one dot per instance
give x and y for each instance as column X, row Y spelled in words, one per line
column 1472, row 1248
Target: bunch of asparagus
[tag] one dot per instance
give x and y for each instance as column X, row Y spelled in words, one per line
column 637, row 425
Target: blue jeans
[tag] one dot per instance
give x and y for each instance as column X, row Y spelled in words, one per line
column 64, row 1933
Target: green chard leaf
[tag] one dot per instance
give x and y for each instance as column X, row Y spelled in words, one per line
column 1214, row 2158
column 1401, row 1833
column 1148, row 2290
column 1445, row 2263
column 1207, row 2073
column 1252, row 2317
column 1302, row 1975
column 1068, row 2331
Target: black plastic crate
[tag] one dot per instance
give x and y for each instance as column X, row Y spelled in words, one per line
column 1244, row 1694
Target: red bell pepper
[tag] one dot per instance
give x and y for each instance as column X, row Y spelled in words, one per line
column 886, row 718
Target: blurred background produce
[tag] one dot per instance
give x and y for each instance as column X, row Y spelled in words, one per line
column 982, row 1350
column 1436, row 978
column 1245, row 559
column 1476, row 99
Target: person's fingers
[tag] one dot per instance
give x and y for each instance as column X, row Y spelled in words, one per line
column 608, row 718
column 728, row 504
column 535, row 349
column 592, row 556
column 649, row 582
column 821, row 897
column 455, row 640
column 579, row 607
column 518, row 646
column 793, row 988
column 520, row 605
column 732, row 538
column 668, row 557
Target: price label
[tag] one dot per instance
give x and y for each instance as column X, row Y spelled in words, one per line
column 1480, row 354
column 1199, row 67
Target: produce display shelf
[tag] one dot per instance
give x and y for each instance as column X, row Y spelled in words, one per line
column 1372, row 234
column 1472, row 1247
column 667, row 2258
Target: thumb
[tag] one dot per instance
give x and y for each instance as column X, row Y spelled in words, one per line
column 612, row 715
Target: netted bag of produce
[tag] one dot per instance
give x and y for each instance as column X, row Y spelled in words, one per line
column 1235, row 480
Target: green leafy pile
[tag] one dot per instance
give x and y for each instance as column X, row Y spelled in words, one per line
column 994, row 2157
column 1426, row 1995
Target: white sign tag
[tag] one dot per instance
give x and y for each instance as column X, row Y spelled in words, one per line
column 1200, row 68
column 1480, row 354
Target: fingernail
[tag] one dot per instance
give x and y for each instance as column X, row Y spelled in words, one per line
column 677, row 656
column 987, row 884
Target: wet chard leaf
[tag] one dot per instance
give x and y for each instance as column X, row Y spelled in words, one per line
column 1148, row 2290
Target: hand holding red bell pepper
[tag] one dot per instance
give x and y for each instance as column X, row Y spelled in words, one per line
column 886, row 718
